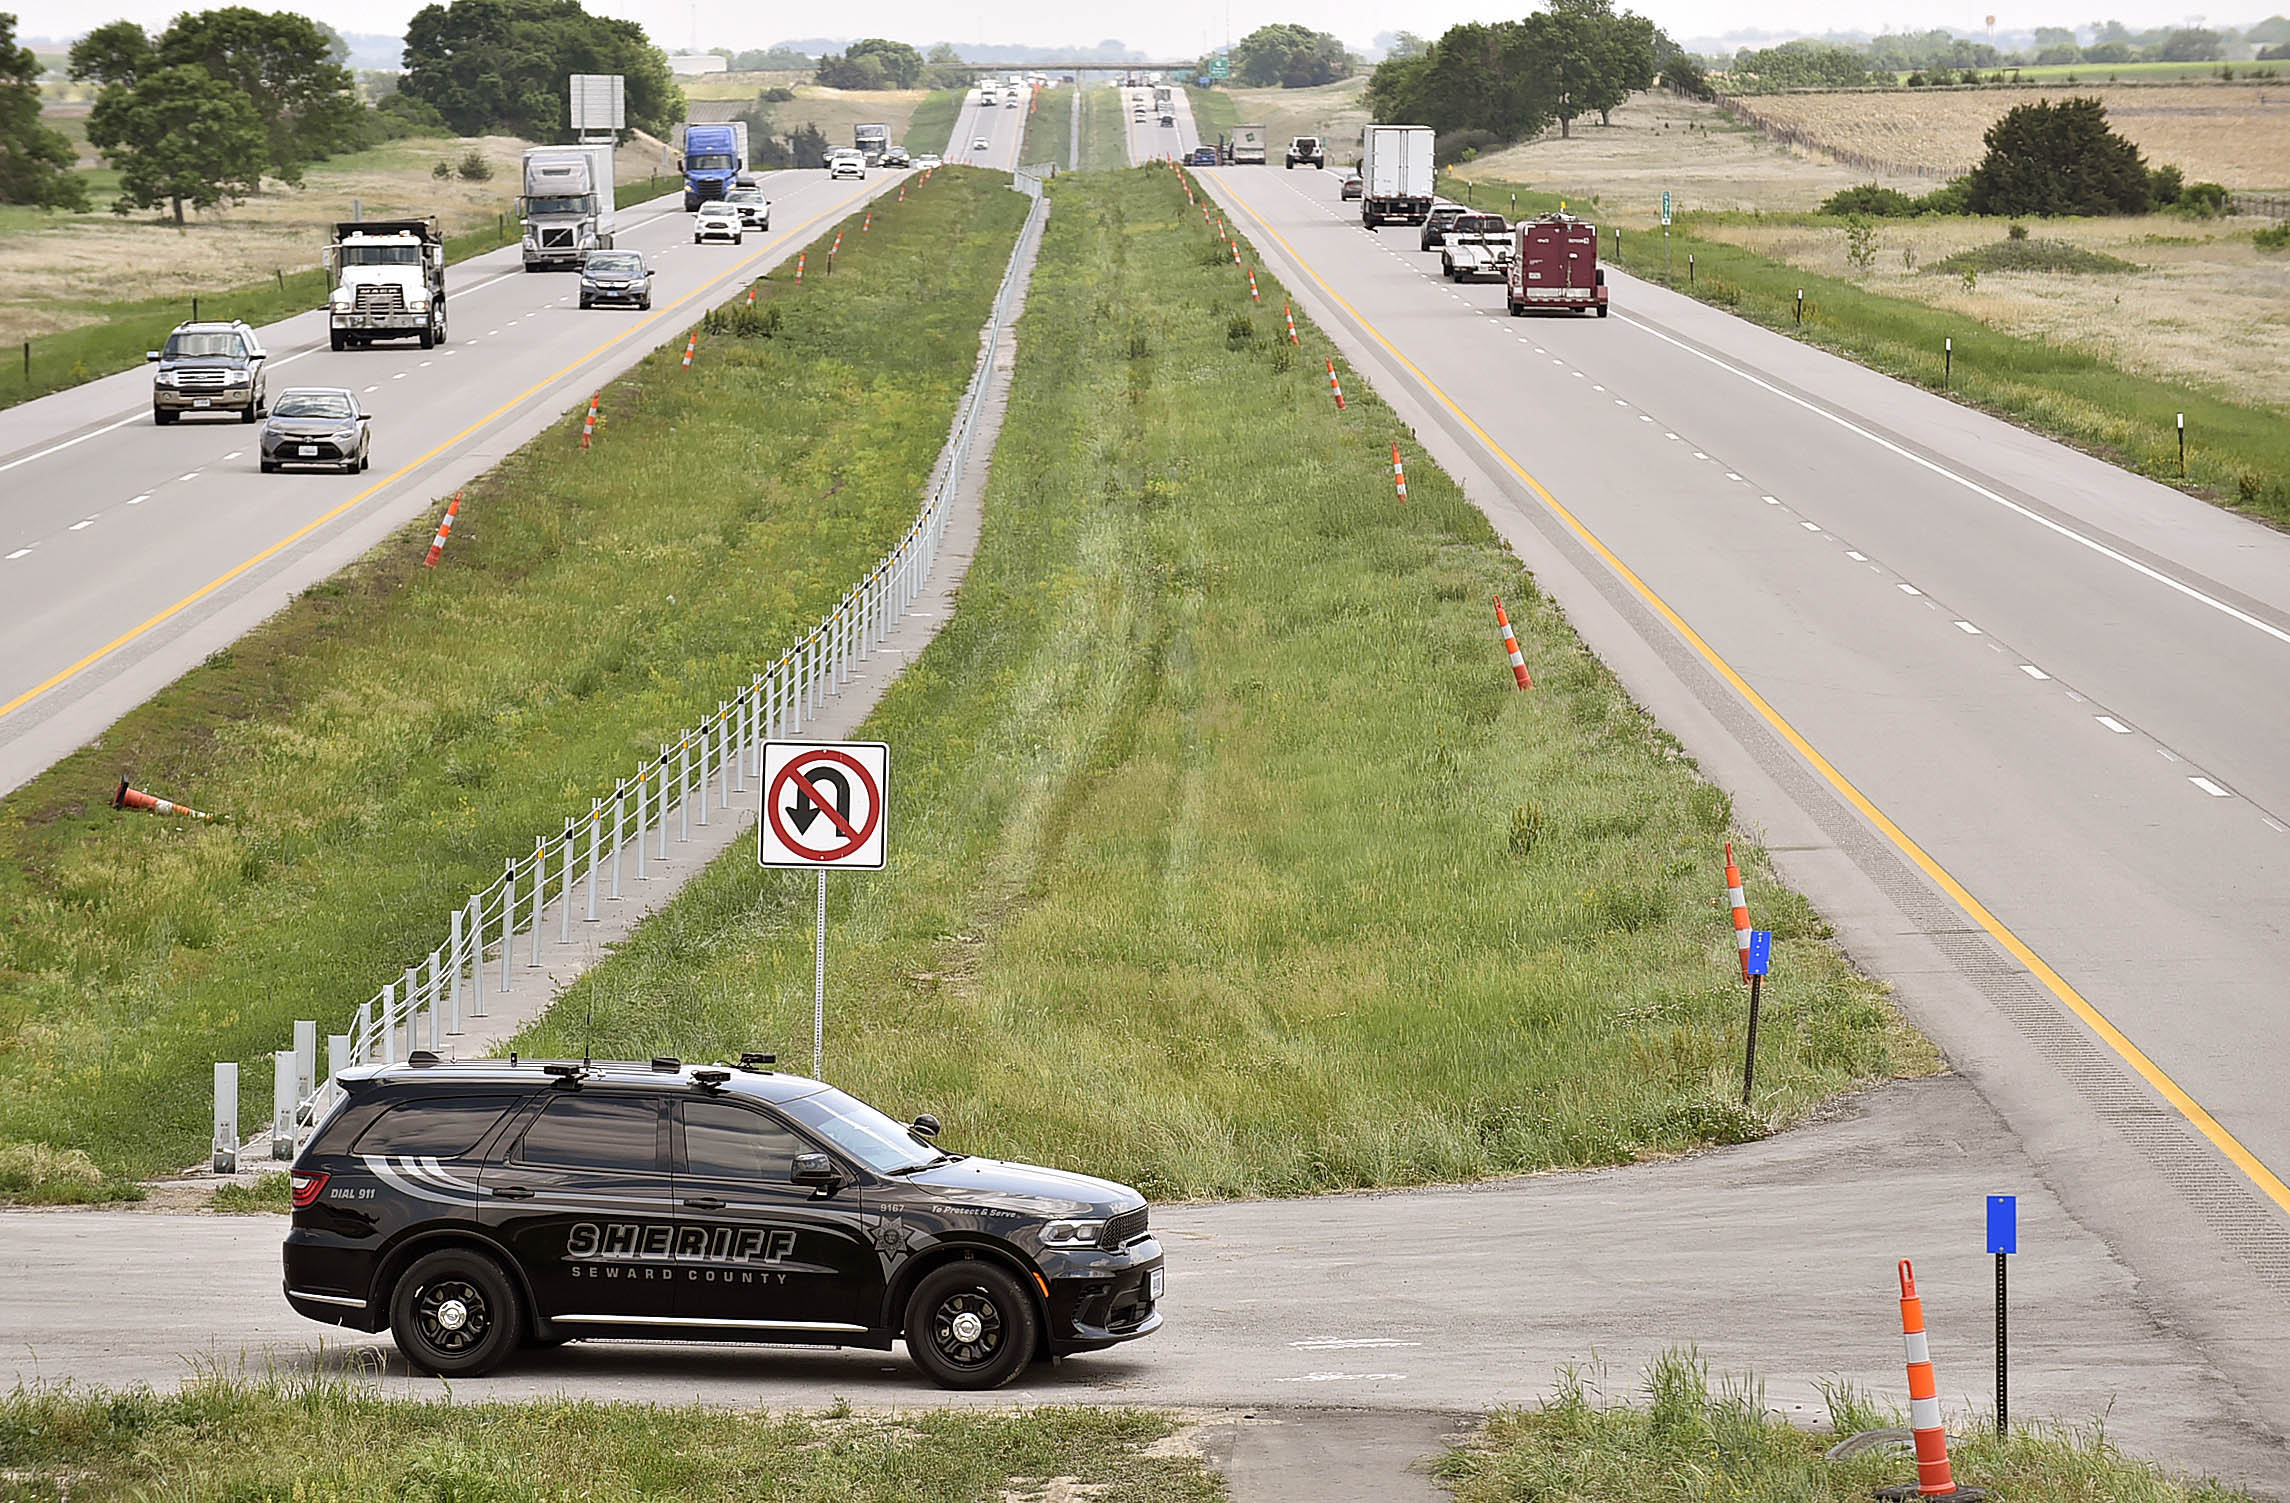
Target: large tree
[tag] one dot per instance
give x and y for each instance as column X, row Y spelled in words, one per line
column 2046, row 158
column 286, row 66
column 872, row 63
column 35, row 162
column 179, row 135
column 499, row 66
column 1289, row 56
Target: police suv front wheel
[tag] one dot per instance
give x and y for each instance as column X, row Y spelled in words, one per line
column 454, row 1313
column 970, row 1325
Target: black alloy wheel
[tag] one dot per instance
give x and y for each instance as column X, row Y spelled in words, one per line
column 455, row 1314
column 969, row 1325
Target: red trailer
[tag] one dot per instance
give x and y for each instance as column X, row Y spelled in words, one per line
column 1555, row 265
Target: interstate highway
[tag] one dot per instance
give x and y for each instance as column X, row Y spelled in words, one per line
column 1148, row 139
column 2014, row 718
column 129, row 552
column 1003, row 128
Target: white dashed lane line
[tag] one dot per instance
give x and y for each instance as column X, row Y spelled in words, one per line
column 2117, row 726
column 2211, row 788
column 138, row 500
column 235, row 453
column 1968, row 629
column 2032, row 671
column 19, row 553
column 82, row 523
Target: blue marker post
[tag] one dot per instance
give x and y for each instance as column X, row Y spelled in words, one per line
column 1757, row 962
column 2003, row 1240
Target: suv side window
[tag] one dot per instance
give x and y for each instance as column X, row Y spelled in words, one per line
column 439, row 1127
column 595, row 1132
column 722, row 1141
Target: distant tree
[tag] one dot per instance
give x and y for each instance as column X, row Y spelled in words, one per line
column 1683, row 75
column 2280, row 51
column 499, row 66
column 873, row 63
column 780, row 59
column 1402, row 44
column 2273, row 30
column 1869, row 199
column 35, row 162
column 1289, row 56
column 2046, row 158
column 943, row 68
column 179, row 135
column 807, row 144
column 117, row 52
column 2192, row 44
column 1798, row 65
column 2057, row 54
column 2109, row 52
column 287, row 67
column 2055, row 36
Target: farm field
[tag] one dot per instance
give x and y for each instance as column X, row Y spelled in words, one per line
column 2099, row 73
column 2237, row 134
column 1659, row 142
column 2193, row 279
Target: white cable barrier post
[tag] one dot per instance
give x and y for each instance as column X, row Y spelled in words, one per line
column 643, row 791
column 508, row 918
column 226, row 1141
column 683, row 789
column 540, row 888
column 663, row 765
column 619, row 830
column 436, row 1000
column 453, row 987
column 337, row 1060
column 282, row 1104
column 565, row 887
column 595, row 829
column 413, row 1006
column 388, row 1023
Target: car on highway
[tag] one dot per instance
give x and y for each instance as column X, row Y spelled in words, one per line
column 209, row 367
column 928, row 160
column 615, row 276
column 897, row 157
column 318, row 426
column 754, row 208
column 1203, row 156
column 718, row 221
column 847, row 163
column 1437, row 223
column 980, row 144
column 1351, row 186
column 477, row 1207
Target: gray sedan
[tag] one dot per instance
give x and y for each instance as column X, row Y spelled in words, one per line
column 316, row 425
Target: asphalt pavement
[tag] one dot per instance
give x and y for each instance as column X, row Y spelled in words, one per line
column 1002, row 127
column 130, row 552
column 2012, row 717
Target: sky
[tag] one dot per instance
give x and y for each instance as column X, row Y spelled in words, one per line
column 1183, row 28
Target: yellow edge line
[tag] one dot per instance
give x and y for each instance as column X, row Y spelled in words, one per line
column 65, row 675
column 2264, row 1178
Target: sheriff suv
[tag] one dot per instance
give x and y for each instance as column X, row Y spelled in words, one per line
column 478, row 1207
column 209, row 367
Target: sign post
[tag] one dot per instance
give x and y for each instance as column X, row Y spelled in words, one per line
column 1665, row 234
column 823, row 806
column 1759, row 961
column 2003, row 1240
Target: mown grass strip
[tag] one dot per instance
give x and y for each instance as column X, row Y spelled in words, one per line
column 1104, row 130
column 2237, row 455
column 336, row 1439
column 932, row 124
column 1680, row 1443
column 377, row 749
column 1049, row 129
column 1227, row 859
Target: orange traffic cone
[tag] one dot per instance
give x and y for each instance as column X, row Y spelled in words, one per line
column 1740, row 905
column 130, row 798
column 868, row 223
column 1511, row 646
column 1933, row 1476
column 799, row 268
column 1398, row 473
column 1252, row 297
column 1289, row 314
column 1335, row 386
column 444, row 531
column 588, row 424
column 692, row 345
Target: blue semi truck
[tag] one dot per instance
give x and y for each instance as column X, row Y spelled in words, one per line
column 714, row 157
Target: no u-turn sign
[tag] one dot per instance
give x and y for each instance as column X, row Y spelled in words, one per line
column 823, row 805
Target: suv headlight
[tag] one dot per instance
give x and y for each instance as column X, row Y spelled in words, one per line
column 236, row 378
column 1073, row 1233
column 164, row 378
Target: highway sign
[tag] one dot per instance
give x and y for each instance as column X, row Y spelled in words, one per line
column 1665, row 208
column 2003, row 1224
column 1220, row 66
column 597, row 102
column 823, row 805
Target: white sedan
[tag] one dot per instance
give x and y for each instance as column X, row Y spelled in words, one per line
column 718, row 221
column 980, row 144
column 927, row 161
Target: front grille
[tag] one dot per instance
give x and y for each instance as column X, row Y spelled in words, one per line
column 1124, row 1229
column 387, row 298
column 557, row 239
column 200, row 380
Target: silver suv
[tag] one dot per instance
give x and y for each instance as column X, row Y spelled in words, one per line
column 210, row 367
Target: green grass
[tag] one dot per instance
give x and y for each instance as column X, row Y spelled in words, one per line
column 1226, row 857
column 1680, row 1443
column 1104, row 131
column 1213, row 112
column 2033, row 254
column 338, row 1440
column 933, row 124
column 270, row 1194
column 372, row 768
column 1049, row 130
column 2237, row 454
column 2272, row 237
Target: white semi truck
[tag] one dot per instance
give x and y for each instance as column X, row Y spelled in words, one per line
column 567, row 204
column 385, row 279
column 1396, row 174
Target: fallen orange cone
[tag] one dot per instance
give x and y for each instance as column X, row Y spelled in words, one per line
column 135, row 798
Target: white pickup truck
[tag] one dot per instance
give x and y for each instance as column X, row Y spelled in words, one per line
column 1477, row 245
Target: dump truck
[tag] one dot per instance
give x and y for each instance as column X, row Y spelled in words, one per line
column 1396, row 174
column 1554, row 264
column 715, row 154
column 566, row 207
column 385, row 279
column 1247, row 143
column 1477, row 245
column 872, row 141
column 1307, row 151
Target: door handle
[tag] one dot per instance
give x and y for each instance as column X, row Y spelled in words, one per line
column 512, row 1192
column 704, row 1203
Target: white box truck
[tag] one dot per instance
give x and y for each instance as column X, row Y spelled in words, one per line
column 566, row 207
column 1396, row 174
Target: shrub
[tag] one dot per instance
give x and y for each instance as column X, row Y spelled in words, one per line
column 2050, row 159
column 2019, row 254
column 441, row 169
column 2166, row 183
column 2202, row 201
column 776, row 94
column 1869, row 199
column 2015, row 231
column 1860, row 243
column 473, row 167
column 1462, row 145
column 2272, row 237
column 1952, row 197
column 1239, row 330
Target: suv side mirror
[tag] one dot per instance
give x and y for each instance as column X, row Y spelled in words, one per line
column 926, row 1126
column 817, row 1171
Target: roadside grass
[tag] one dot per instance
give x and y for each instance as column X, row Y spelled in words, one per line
column 932, row 125
column 2238, row 453
column 1226, row 857
column 338, row 1439
column 270, row 1194
column 381, row 745
column 1681, row 1443
column 1104, row 131
column 1213, row 111
column 2032, row 254
column 1049, row 129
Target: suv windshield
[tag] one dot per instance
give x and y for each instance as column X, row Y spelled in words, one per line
column 311, row 404
column 223, row 345
column 860, row 1131
column 1481, row 224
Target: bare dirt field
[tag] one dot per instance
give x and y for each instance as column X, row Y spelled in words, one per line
column 1660, row 141
column 57, row 270
column 1335, row 112
column 2205, row 306
column 2232, row 133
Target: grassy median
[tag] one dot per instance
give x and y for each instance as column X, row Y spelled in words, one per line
column 1227, row 858
column 338, row 1440
column 377, row 749
column 1104, row 129
column 1049, row 129
column 1680, row 1443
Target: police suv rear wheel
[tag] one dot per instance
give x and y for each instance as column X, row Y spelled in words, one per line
column 455, row 1314
column 970, row 1325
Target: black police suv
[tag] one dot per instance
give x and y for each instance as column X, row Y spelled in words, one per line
column 476, row 1207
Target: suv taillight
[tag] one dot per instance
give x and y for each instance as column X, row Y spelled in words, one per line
column 306, row 1188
